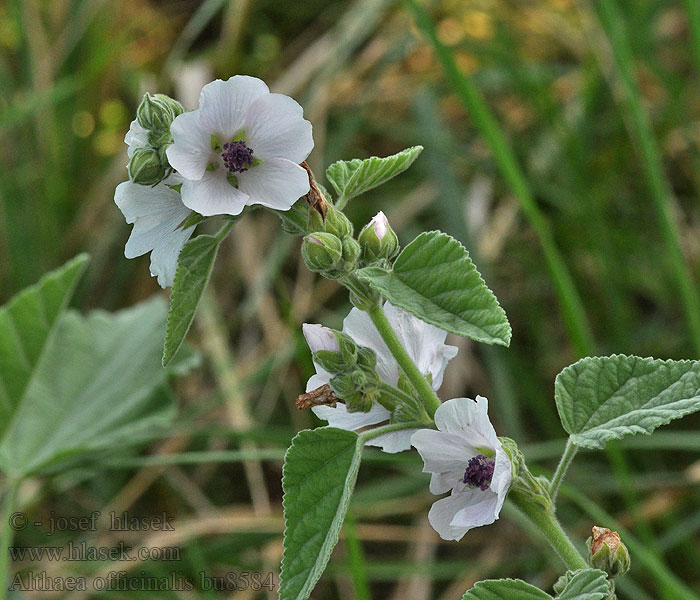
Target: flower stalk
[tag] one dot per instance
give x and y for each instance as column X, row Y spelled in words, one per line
column 567, row 458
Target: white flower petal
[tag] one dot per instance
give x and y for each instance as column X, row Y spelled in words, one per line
column 156, row 213
column 275, row 128
column 441, row 451
column 213, row 195
column 190, row 153
column 319, row 337
column 224, row 104
column 339, row 416
column 502, row 477
column 136, row 137
column 424, row 343
column 276, row 183
column 479, row 508
column 441, row 515
column 316, row 381
column 394, row 441
column 468, row 419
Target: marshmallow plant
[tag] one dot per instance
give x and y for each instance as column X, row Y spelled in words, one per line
column 377, row 380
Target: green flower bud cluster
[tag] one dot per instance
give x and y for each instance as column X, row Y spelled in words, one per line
column 331, row 249
column 149, row 165
column 607, row 552
column 355, row 378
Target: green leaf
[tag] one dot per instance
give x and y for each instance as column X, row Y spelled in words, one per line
column 27, row 323
column 586, row 584
column 318, row 477
column 351, row 178
column 194, row 266
column 435, row 279
column 505, row 589
column 605, row 398
column 97, row 386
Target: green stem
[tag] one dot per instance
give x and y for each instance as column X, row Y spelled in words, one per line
column 223, row 232
column 420, row 383
column 6, row 534
column 566, row 459
column 550, row 528
column 377, row 431
column 397, row 397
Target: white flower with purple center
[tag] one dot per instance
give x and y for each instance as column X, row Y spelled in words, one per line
column 424, row 343
column 157, row 214
column 242, row 146
column 467, row 459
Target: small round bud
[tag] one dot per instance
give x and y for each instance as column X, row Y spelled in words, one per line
column 351, row 252
column 348, row 348
column 157, row 112
column 378, row 239
column 361, row 401
column 333, row 362
column 607, row 552
column 366, row 358
column 336, row 222
column 145, row 167
column 344, row 386
column 322, row 252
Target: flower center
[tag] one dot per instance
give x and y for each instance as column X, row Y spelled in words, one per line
column 237, row 156
column 479, row 472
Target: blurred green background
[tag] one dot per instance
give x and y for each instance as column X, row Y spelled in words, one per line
column 562, row 147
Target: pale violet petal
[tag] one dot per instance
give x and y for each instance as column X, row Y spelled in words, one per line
column 165, row 254
column 213, row 195
column 275, row 128
column 442, row 452
column 190, row 153
column 224, row 104
column 468, row 419
column 276, row 183
column 443, row 512
column 394, row 441
column 136, row 137
column 445, row 482
column 479, row 508
column 319, row 337
column 339, row 416
column 502, row 477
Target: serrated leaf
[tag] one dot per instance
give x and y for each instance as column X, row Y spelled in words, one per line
column 435, row 279
column 586, row 584
column 194, row 266
column 505, row 589
column 320, row 469
column 27, row 323
column 351, row 178
column 606, row 398
column 96, row 387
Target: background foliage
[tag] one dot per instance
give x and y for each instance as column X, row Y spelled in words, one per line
column 594, row 157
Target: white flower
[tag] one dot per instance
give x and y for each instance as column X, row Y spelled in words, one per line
column 156, row 213
column 242, row 146
column 466, row 457
column 424, row 343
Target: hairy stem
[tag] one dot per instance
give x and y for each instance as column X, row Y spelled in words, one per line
column 551, row 530
column 566, row 459
column 420, row 383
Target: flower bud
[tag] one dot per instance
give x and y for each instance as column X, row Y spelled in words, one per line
column 333, row 362
column 145, row 167
column 322, row 252
column 366, row 358
column 378, row 239
column 351, row 253
column 157, row 112
column 344, row 386
column 348, row 348
column 607, row 552
column 336, row 222
column 361, row 401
